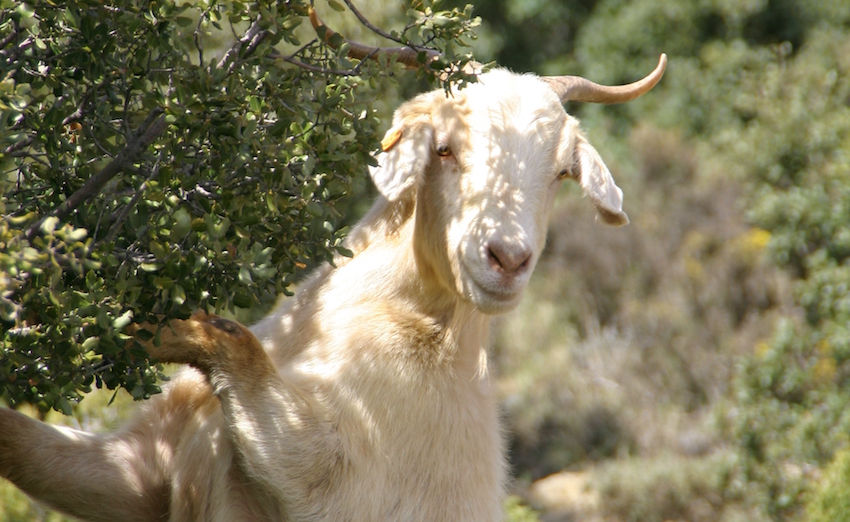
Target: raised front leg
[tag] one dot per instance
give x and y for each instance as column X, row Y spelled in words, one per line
column 215, row 345
column 279, row 431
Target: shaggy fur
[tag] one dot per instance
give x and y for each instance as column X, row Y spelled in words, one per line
column 366, row 396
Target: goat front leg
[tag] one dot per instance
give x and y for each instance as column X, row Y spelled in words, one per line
column 279, row 431
column 93, row 477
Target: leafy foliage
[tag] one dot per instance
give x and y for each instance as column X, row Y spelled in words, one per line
column 158, row 157
column 829, row 502
column 794, row 392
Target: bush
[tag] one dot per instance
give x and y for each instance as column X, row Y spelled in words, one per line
column 791, row 412
column 829, row 501
column 667, row 487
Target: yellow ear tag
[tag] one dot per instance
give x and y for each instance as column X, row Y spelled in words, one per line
column 390, row 140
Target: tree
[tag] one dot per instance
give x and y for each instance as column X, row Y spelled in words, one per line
column 158, row 157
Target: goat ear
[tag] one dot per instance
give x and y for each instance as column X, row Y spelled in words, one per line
column 408, row 149
column 598, row 184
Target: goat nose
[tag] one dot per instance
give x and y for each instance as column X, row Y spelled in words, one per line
column 510, row 259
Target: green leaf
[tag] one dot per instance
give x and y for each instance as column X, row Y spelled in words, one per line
column 78, row 234
column 245, row 276
column 158, row 250
column 178, row 294
column 123, row 320
column 182, row 224
column 163, row 283
column 150, row 267
column 64, row 406
column 49, row 225
column 144, row 334
column 315, row 209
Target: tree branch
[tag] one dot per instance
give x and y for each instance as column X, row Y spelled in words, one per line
column 252, row 37
column 142, row 139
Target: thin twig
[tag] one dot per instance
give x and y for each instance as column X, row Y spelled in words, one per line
column 373, row 28
column 18, row 145
column 196, row 37
column 303, row 47
column 314, row 68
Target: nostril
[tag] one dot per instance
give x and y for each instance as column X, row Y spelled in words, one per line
column 508, row 259
column 493, row 257
column 525, row 263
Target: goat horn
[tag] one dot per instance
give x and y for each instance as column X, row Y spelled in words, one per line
column 406, row 55
column 576, row 88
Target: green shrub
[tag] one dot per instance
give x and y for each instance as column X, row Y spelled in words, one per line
column 829, row 501
column 667, row 487
column 791, row 399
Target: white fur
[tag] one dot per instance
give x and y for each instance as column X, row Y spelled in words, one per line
column 378, row 404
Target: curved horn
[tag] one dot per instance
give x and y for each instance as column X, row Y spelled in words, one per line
column 576, row 88
column 406, row 55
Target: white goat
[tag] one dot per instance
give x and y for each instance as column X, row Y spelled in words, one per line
column 365, row 397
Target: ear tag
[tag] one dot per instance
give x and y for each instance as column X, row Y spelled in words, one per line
column 390, row 139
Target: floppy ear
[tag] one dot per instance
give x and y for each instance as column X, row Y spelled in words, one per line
column 598, row 185
column 408, row 149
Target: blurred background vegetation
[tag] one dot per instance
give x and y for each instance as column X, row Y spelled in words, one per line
column 694, row 365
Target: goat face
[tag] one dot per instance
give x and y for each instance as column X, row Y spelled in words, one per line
column 483, row 168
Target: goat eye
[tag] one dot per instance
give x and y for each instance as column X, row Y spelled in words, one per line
column 564, row 174
column 444, row 150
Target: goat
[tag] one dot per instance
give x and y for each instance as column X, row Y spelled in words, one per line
column 366, row 396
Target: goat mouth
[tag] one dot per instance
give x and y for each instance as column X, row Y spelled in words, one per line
column 490, row 291
column 495, row 302
column 502, row 291
column 494, row 298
